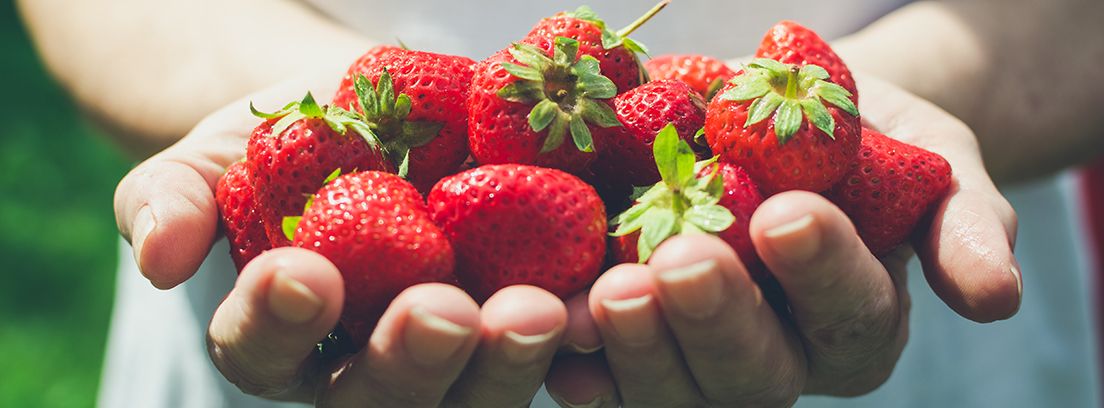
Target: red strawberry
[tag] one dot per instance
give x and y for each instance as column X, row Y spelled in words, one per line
column 615, row 52
column 791, row 43
column 240, row 220
column 417, row 106
column 706, row 75
column 527, row 98
column 643, row 112
column 517, row 224
column 889, row 189
column 293, row 151
column 516, row 120
column 375, row 228
column 718, row 198
column 758, row 122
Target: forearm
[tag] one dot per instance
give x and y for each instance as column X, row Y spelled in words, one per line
column 149, row 71
column 1025, row 75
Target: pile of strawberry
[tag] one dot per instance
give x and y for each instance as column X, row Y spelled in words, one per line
column 553, row 134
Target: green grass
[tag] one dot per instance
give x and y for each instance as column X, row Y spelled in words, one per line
column 59, row 245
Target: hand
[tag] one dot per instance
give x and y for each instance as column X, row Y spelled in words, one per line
column 433, row 345
column 691, row 328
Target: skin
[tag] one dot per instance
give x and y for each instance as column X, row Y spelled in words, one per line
column 849, row 318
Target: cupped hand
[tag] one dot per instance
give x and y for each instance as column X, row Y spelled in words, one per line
column 691, row 328
column 433, row 346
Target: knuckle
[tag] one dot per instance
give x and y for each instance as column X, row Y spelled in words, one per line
column 869, row 329
column 247, row 378
column 857, row 382
column 856, row 355
column 252, row 364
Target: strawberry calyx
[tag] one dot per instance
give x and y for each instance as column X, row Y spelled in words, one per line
column 385, row 114
column 291, row 223
column 685, row 201
column 340, row 120
column 564, row 92
column 790, row 93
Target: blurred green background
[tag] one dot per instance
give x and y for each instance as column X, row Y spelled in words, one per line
column 59, row 245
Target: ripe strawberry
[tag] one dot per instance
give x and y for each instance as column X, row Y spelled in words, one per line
column 375, row 228
column 706, row 75
column 554, row 79
column 889, row 189
column 293, row 151
column 615, row 52
column 710, row 197
column 758, row 122
column 516, row 224
column 240, row 219
column 417, row 107
column 791, row 43
column 523, row 113
column 643, row 112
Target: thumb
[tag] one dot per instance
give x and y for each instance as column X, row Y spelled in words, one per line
column 166, row 205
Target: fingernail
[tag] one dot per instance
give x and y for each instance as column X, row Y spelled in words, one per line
column 578, row 349
column 140, row 229
column 291, row 300
column 520, row 348
column 1019, row 280
column 431, row 339
column 633, row 320
column 798, row 240
column 597, row 402
column 697, row 290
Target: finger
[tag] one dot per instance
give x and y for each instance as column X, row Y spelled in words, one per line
column 522, row 327
column 967, row 251
column 738, row 351
column 420, row 346
column 968, row 259
column 842, row 299
column 166, row 205
column 262, row 337
column 642, row 354
column 166, row 209
column 581, row 336
column 576, row 381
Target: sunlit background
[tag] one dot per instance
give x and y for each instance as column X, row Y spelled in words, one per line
column 58, row 242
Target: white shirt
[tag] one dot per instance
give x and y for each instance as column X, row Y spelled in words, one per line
column 1044, row 357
